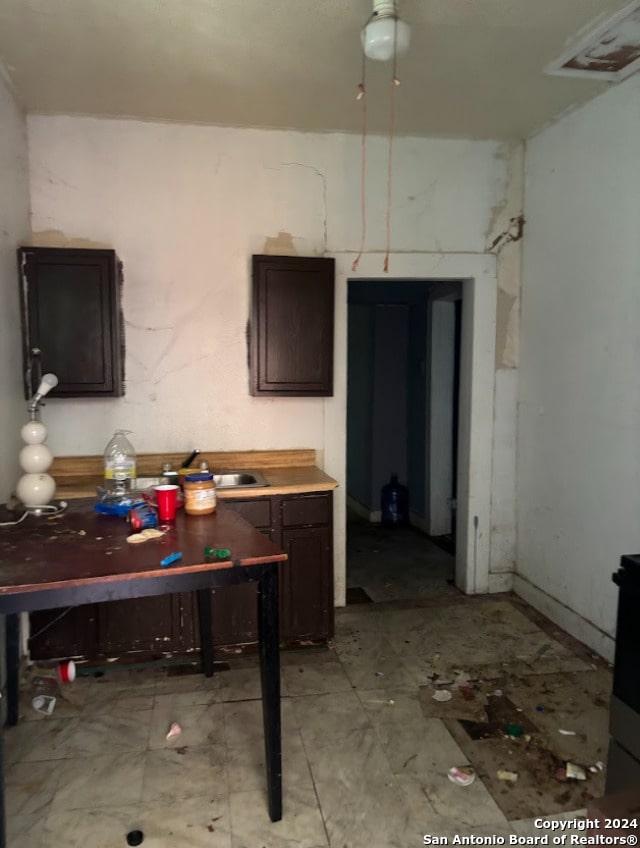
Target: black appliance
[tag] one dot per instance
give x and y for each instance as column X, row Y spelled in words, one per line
column 623, row 767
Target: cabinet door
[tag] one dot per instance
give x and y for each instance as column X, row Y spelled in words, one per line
column 308, row 583
column 139, row 624
column 94, row 631
column 62, row 633
column 291, row 334
column 70, row 301
column 235, row 608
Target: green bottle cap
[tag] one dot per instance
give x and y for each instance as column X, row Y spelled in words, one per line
column 217, row 553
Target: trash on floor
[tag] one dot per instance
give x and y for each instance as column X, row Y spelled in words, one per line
column 567, row 732
column 44, row 704
column 541, row 651
column 452, row 704
column 174, row 730
column 509, row 776
column 514, row 730
column 599, row 766
column 135, row 837
column 442, row 695
column 575, row 772
column 462, row 775
column 467, row 691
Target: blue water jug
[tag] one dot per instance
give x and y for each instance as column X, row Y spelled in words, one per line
column 394, row 503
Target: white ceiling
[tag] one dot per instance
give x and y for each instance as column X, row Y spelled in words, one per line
column 475, row 67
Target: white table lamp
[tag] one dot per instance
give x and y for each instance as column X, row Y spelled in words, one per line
column 36, row 488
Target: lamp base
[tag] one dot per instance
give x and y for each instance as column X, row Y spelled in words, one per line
column 47, row 509
column 14, row 504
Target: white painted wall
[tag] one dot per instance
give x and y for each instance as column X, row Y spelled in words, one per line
column 14, row 230
column 503, row 481
column 186, row 206
column 579, row 432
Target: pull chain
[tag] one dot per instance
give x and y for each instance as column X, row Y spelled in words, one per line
column 362, row 95
column 395, row 82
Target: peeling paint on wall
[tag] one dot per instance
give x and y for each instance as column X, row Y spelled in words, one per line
column 507, row 313
column 280, row 245
column 503, row 238
column 56, row 238
column 514, row 232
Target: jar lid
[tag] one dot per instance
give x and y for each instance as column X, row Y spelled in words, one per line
column 199, row 477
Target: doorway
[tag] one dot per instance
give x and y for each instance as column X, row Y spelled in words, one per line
column 403, row 381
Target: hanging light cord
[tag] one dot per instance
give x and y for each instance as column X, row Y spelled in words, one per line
column 362, row 96
column 395, row 82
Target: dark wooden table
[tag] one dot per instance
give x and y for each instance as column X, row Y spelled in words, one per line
column 80, row 557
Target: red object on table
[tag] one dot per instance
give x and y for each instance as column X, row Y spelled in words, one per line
column 167, row 501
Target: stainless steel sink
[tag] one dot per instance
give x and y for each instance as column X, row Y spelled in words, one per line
column 240, row 480
column 224, row 480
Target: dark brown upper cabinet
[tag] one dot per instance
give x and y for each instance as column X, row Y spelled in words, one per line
column 291, row 329
column 71, row 320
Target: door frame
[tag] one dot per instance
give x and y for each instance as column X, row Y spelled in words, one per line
column 477, row 386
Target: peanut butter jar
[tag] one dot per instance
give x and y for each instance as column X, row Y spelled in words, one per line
column 199, row 493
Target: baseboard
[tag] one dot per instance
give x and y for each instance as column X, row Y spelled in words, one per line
column 360, row 510
column 570, row 621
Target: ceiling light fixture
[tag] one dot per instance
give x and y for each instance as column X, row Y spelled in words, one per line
column 385, row 35
column 384, row 38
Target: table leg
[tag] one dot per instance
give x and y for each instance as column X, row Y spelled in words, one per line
column 12, row 631
column 12, row 642
column 3, row 815
column 206, row 635
column 268, row 628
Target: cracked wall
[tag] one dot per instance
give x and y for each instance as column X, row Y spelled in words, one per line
column 504, row 240
column 185, row 207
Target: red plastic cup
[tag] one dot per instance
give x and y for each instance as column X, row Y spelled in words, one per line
column 167, row 501
column 67, row 671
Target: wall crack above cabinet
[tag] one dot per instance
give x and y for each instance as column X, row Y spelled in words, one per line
column 148, row 329
column 324, row 193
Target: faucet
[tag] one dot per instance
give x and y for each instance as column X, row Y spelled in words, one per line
column 187, row 462
column 170, row 476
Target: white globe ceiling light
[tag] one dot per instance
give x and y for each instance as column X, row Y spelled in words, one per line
column 384, row 32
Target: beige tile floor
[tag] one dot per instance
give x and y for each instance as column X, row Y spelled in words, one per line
column 363, row 766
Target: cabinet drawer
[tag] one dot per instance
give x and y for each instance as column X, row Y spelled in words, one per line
column 306, row 510
column 256, row 511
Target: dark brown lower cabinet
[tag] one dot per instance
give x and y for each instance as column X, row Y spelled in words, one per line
column 307, row 594
column 299, row 524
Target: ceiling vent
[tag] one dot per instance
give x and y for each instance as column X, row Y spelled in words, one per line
column 610, row 52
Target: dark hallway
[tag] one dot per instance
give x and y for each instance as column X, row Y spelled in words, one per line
column 395, row 563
